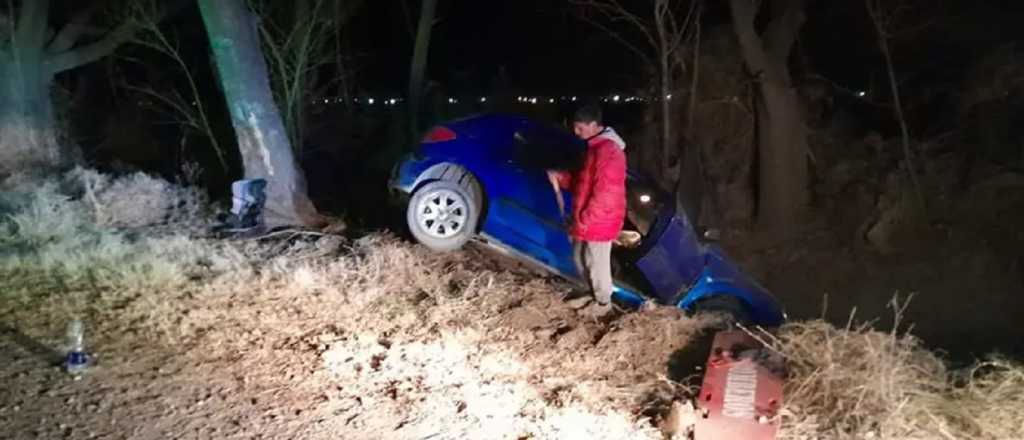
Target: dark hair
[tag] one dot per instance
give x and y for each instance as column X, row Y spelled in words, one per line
column 588, row 113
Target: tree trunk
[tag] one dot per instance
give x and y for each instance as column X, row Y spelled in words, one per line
column 28, row 137
column 666, row 114
column 27, row 128
column 908, row 155
column 262, row 139
column 690, row 184
column 782, row 167
column 30, row 58
column 665, row 84
column 418, row 68
column 782, row 138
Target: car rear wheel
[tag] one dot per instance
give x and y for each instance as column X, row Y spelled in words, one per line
column 443, row 214
column 734, row 309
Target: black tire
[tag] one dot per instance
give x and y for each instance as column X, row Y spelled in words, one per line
column 733, row 308
column 443, row 214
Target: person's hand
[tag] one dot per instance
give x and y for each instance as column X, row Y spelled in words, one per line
column 553, row 177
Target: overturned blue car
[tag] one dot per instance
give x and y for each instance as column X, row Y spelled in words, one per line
column 484, row 178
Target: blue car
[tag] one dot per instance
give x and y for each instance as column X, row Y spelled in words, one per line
column 484, row 178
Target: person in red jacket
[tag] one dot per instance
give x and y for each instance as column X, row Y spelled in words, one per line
column 598, row 200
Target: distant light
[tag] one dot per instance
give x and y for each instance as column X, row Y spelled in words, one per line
column 394, row 101
column 862, row 93
column 644, row 198
column 573, row 99
column 615, row 98
column 370, row 101
column 668, row 96
column 533, row 100
column 551, row 101
column 483, row 99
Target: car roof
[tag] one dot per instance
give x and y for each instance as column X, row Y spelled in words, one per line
column 488, row 126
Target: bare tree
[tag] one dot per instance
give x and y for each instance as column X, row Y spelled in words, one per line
column 189, row 112
column 663, row 27
column 262, row 139
column 418, row 66
column 299, row 39
column 782, row 134
column 32, row 53
column 885, row 16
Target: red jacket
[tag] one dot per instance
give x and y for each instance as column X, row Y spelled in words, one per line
column 599, row 189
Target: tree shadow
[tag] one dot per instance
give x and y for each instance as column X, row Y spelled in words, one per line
column 33, row 347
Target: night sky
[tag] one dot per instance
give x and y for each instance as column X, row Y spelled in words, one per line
column 541, row 45
column 546, row 49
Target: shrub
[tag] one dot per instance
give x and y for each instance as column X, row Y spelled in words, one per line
column 89, row 228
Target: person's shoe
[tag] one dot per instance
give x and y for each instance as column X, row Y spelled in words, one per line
column 648, row 306
column 598, row 311
column 579, row 302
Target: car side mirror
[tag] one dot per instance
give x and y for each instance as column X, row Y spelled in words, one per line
column 712, row 234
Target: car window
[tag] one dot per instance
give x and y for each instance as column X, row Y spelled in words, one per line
column 539, row 149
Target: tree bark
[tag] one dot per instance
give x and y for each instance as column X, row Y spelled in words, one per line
column 27, row 128
column 782, row 139
column 418, row 67
column 262, row 139
column 28, row 132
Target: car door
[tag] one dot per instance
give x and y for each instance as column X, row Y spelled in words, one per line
column 528, row 208
column 671, row 258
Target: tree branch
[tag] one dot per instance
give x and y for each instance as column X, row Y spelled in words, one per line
column 743, row 14
column 76, row 57
column 74, row 29
column 680, row 34
column 91, row 52
column 644, row 57
column 615, row 12
column 787, row 19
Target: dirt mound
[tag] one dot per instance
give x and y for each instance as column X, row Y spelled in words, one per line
column 367, row 339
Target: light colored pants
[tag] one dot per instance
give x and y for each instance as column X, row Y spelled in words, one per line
column 594, row 262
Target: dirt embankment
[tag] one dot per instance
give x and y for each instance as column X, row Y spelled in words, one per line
column 317, row 336
column 372, row 339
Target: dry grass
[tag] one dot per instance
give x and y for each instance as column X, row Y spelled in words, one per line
column 431, row 343
column 137, row 200
column 76, row 232
column 856, row 382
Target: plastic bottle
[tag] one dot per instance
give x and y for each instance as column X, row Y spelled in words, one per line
column 76, row 360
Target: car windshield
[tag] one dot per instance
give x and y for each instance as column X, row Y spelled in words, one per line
column 643, row 203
